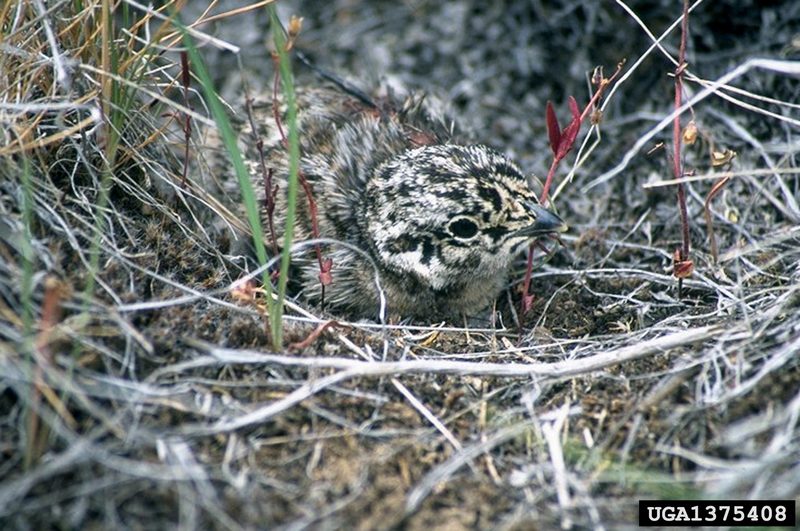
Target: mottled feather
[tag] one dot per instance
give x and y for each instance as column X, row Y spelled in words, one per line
column 441, row 221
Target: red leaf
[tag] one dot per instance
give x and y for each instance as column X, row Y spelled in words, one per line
column 681, row 268
column 570, row 132
column 553, row 129
column 568, row 139
column 325, row 276
column 573, row 106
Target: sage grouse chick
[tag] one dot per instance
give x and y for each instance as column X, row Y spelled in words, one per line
column 438, row 222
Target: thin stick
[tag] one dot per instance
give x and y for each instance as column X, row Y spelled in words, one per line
column 349, row 369
column 715, row 190
column 186, row 80
column 677, row 169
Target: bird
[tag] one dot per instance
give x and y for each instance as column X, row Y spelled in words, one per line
column 429, row 223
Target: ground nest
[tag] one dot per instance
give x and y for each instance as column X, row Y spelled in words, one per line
column 139, row 383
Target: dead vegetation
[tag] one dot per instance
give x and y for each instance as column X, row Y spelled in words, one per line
column 138, row 386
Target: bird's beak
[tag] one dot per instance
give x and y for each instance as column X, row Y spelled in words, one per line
column 546, row 222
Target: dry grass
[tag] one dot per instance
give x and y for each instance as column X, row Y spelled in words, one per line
column 137, row 389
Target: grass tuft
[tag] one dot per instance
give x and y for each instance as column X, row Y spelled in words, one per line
column 293, row 146
column 229, row 139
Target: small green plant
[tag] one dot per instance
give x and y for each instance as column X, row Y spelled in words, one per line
column 293, row 146
column 274, row 301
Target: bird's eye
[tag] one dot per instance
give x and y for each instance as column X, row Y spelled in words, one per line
column 463, row 228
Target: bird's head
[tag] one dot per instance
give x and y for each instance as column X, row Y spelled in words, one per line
column 448, row 214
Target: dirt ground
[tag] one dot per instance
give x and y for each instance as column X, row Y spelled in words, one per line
column 155, row 400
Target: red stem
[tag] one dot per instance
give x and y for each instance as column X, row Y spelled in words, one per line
column 676, row 133
column 550, row 174
column 526, row 283
column 275, row 113
column 269, row 191
column 312, row 211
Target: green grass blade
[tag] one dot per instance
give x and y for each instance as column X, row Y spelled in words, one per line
column 294, row 157
column 243, row 176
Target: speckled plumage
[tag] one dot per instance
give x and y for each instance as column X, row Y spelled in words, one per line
column 440, row 221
